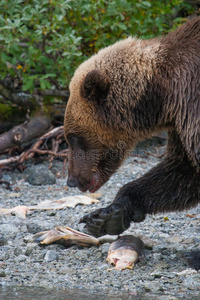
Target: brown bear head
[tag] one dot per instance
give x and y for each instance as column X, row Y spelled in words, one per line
column 99, row 124
column 95, row 149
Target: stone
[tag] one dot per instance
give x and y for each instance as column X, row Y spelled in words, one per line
column 2, row 273
column 51, row 256
column 40, row 175
column 21, row 257
column 104, row 248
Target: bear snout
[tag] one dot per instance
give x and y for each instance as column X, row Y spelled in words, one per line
column 71, row 181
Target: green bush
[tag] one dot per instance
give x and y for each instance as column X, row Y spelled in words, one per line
column 43, row 41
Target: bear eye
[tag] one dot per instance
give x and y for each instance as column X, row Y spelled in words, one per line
column 77, row 142
column 72, row 140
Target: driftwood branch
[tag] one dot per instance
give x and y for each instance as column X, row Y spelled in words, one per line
column 24, row 132
column 56, row 134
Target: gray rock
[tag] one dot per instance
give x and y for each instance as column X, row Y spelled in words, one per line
column 2, row 273
column 30, row 248
column 21, row 258
column 3, row 240
column 149, row 287
column 64, row 270
column 17, row 251
column 40, row 175
column 28, row 238
column 7, row 229
column 192, row 282
column 104, row 248
column 51, row 256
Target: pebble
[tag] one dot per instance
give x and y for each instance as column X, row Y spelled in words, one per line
column 2, row 273
column 51, row 256
column 21, row 258
column 104, row 248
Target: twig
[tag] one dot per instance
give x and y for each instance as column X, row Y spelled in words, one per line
column 40, row 147
column 35, row 148
column 42, row 152
column 10, row 160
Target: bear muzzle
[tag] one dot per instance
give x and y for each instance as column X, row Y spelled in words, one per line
column 92, row 186
column 71, row 181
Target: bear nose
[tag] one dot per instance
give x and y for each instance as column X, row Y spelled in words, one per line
column 71, row 181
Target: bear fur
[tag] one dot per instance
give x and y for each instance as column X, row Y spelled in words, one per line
column 127, row 92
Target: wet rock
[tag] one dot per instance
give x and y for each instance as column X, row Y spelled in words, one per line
column 40, row 175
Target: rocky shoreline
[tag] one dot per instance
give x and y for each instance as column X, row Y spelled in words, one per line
column 163, row 269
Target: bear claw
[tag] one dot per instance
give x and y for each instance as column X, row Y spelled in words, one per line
column 101, row 221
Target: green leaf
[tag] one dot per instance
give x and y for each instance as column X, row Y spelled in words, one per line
column 29, row 85
column 146, row 4
column 4, row 57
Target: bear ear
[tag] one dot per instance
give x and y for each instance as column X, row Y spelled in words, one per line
column 95, row 86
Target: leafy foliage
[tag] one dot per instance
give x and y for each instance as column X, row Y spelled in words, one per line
column 43, row 41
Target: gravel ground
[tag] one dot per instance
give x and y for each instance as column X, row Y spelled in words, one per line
column 163, row 269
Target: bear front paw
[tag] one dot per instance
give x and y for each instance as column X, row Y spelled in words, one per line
column 108, row 220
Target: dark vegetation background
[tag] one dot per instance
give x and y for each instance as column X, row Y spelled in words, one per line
column 43, row 41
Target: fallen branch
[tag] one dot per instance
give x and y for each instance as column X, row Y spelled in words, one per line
column 10, row 160
column 56, row 135
column 42, row 152
column 24, row 132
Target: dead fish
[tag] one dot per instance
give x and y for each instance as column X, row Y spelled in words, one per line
column 65, row 236
column 19, row 211
column 70, row 201
column 124, row 252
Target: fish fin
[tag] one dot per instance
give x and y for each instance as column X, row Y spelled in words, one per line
column 40, row 236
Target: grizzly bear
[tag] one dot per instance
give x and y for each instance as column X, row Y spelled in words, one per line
column 121, row 95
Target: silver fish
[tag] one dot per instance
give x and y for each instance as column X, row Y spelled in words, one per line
column 124, row 252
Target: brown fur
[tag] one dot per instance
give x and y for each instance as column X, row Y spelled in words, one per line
column 127, row 92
